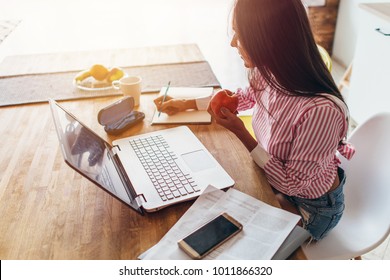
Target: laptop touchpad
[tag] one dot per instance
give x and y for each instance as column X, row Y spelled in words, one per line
column 198, row 160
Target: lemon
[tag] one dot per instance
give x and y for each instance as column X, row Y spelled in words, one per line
column 99, row 72
column 115, row 74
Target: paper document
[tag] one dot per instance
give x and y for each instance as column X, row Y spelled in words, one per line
column 264, row 227
column 189, row 116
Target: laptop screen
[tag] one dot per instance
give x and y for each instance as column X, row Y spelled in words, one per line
column 90, row 155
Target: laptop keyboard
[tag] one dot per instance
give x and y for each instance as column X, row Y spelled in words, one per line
column 105, row 179
column 160, row 165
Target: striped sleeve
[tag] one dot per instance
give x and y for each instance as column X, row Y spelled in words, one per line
column 309, row 167
column 260, row 156
column 248, row 96
column 246, row 99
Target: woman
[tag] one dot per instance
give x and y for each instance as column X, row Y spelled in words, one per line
column 299, row 119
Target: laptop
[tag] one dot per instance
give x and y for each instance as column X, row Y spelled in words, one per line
column 147, row 172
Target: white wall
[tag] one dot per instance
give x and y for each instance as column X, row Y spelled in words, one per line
column 347, row 29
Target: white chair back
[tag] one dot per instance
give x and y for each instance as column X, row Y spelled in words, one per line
column 366, row 220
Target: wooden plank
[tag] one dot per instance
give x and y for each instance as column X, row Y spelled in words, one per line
column 323, row 23
column 49, row 211
column 75, row 61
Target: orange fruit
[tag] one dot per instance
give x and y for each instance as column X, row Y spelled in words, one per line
column 115, row 74
column 99, row 72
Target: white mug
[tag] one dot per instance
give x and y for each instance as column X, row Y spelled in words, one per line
column 130, row 86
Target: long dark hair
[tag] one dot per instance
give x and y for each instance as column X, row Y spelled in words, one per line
column 278, row 39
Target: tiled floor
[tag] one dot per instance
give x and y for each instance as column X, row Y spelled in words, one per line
column 382, row 252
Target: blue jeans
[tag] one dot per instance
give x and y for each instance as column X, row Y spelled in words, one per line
column 322, row 214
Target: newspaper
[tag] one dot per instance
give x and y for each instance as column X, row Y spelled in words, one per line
column 264, row 227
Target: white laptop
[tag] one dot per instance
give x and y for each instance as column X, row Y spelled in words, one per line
column 147, row 172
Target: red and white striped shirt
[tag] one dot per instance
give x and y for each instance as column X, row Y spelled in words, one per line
column 297, row 139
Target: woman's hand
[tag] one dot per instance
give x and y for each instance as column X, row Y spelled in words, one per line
column 229, row 120
column 232, row 122
column 172, row 106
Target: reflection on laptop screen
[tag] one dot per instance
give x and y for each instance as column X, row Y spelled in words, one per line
column 87, row 153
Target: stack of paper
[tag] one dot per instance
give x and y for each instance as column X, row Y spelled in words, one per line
column 265, row 227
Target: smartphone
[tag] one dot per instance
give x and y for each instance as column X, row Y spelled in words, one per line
column 209, row 236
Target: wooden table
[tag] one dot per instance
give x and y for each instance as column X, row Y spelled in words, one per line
column 48, row 211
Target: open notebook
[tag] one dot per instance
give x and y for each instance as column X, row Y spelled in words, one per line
column 189, row 116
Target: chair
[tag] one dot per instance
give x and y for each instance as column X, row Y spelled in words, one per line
column 366, row 220
column 325, row 57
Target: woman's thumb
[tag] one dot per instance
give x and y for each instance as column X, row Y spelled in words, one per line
column 225, row 111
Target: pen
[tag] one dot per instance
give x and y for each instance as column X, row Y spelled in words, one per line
column 165, row 95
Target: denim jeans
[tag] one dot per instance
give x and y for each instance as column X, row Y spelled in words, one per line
column 322, row 214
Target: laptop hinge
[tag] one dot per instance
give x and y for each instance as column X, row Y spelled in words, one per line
column 115, row 150
column 140, row 199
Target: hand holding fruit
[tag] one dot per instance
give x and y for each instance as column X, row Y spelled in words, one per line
column 224, row 98
column 223, row 107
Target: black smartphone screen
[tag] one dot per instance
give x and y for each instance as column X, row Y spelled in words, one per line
column 211, row 234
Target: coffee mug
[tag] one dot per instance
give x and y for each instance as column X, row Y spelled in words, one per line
column 130, row 86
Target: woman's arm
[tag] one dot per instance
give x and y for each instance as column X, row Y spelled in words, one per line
column 235, row 125
column 172, row 106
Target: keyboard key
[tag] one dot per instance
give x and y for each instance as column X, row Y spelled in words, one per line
column 182, row 191
column 188, row 188
column 176, row 193
column 160, row 163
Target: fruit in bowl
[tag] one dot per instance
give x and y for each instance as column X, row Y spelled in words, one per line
column 114, row 74
column 224, row 98
column 82, row 76
column 98, row 76
column 99, row 72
